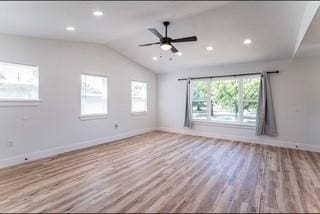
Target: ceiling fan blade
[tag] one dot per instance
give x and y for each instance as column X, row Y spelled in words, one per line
column 155, row 32
column 149, row 44
column 173, row 49
column 186, row 39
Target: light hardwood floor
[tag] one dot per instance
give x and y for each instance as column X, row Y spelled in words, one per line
column 166, row 172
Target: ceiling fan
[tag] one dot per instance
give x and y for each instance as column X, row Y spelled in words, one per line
column 166, row 42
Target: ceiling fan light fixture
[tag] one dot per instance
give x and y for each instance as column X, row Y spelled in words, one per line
column 179, row 53
column 165, row 46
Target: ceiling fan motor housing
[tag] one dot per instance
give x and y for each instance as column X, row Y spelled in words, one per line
column 165, row 40
column 166, row 23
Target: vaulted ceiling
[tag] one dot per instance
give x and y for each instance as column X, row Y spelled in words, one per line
column 273, row 27
column 311, row 42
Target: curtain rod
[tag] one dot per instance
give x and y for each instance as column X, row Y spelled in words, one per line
column 230, row 75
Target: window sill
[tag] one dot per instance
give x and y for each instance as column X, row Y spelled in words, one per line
column 93, row 116
column 138, row 113
column 224, row 124
column 13, row 103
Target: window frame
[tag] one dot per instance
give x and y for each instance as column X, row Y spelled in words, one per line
column 146, row 100
column 95, row 115
column 208, row 121
column 8, row 102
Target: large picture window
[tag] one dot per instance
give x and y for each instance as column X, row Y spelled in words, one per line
column 226, row 100
column 93, row 95
column 18, row 82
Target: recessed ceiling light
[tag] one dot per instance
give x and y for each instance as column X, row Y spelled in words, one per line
column 154, row 58
column 247, row 41
column 97, row 13
column 179, row 54
column 70, row 28
column 209, row 48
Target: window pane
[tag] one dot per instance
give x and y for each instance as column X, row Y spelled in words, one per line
column 199, row 100
column 93, row 95
column 138, row 96
column 18, row 81
column 225, row 100
column 250, row 99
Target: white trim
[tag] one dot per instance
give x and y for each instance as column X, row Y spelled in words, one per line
column 93, row 116
column 19, row 100
column 13, row 103
column 256, row 140
column 63, row 149
column 223, row 124
column 18, row 63
column 95, row 74
column 138, row 113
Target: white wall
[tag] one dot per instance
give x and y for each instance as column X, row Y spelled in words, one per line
column 296, row 99
column 54, row 126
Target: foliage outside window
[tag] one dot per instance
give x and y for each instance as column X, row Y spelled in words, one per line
column 18, row 82
column 93, row 95
column 226, row 100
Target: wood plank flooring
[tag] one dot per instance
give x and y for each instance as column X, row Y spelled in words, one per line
column 166, row 172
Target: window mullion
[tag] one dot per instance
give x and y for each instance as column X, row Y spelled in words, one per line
column 85, row 93
column 240, row 85
column 209, row 101
column 191, row 98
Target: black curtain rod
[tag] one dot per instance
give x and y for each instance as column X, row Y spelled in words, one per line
column 230, row 75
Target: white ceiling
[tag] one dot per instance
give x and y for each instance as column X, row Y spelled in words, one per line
column 311, row 42
column 273, row 27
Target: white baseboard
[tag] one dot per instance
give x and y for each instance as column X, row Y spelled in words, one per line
column 59, row 150
column 62, row 149
column 257, row 140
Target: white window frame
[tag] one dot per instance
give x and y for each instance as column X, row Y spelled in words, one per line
column 22, row 102
column 208, row 120
column 96, row 115
column 138, row 112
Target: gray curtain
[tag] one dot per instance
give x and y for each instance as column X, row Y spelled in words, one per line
column 188, row 110
column 266, row 123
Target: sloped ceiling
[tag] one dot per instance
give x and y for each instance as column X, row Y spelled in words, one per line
column 273, row 27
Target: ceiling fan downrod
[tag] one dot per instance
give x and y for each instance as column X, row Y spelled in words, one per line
column 166, row 24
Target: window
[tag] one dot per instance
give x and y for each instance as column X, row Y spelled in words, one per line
column 18, row 82
column 138, row 97
column 226, row 100
column 200, row 100
column 93, row 95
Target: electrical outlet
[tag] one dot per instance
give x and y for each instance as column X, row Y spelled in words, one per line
column 116, row 125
